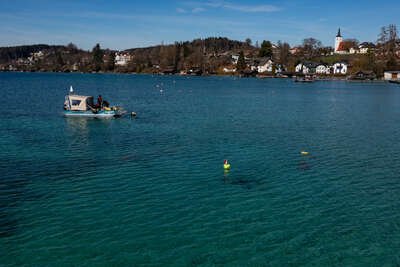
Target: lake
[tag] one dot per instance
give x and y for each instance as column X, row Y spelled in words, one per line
column 152, row 191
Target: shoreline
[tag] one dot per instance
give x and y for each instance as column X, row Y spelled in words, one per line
column 261, row 77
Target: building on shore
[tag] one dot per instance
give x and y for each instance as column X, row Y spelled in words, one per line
column 339, row 68
column 122, row 59
column 306, row 67
column 339, row 45
column 265, row 65
column 322, row 69
column 392, row 75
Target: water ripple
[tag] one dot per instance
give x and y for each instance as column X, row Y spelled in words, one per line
column 151, row 191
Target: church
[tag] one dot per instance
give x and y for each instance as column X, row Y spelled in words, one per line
column 339, row 44
column 343, row 47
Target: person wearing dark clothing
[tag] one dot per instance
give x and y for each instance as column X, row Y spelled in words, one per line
column 99, row 101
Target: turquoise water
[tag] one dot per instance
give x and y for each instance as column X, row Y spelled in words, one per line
column 151, row 191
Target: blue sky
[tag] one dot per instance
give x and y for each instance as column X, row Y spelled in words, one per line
column 127, row 24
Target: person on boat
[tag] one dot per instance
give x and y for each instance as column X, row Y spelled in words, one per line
column 66, row 104
column 99, row 102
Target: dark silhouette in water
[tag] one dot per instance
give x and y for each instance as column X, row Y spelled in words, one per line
column 11, row 192
column 243, row 182
column 304, row 166
column 14, row 189
column 8, row 225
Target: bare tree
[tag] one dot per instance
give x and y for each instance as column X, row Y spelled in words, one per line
column 387, row 39
column 311, row 47
column 283, row 53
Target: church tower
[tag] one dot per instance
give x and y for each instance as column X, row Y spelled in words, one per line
column 338, row 40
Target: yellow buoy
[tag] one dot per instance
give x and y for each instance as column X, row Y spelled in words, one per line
column 227, row 166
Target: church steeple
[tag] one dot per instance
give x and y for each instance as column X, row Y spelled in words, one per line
column 338, row 40
column 338, row 33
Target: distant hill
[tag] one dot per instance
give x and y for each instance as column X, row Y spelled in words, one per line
column 206, row 54
column 213, row 55
column 210, row 45
column 201, row 54
column 8, row 54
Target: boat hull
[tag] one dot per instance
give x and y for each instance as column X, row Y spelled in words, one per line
column 394, row 81
column 90, row 114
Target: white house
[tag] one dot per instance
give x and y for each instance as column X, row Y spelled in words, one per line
column 38, row 55
column 322, row 69
column 392, row 75
column 354, row 50
column 75, row 67
column 340, row 68
column 302, row 68
column 122, row 59
column 306, row 67
column 235, row 59
column 363, row 50
column 365, row 46
column 265, row 66
column 229, row 69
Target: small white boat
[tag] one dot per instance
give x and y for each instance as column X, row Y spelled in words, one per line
column 305, row 79
column 83, row 106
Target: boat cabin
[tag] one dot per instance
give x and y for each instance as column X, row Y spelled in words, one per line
column 78, row 102
column 392, row 75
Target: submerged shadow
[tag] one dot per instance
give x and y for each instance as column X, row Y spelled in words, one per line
column 244, row 182
column 14, row 190
column 303, row 165
column 8, row 224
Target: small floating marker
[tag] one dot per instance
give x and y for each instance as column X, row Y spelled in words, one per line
column 304, row 153
column 227, row 166
column 133, row 114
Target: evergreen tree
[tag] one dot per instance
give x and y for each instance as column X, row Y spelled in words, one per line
column 177, row 58
column 60, row 61
column 266, row 49
column 241, row 63
column 97, row 55
column 72, row 47
column 248, row 41
column 111, row 61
